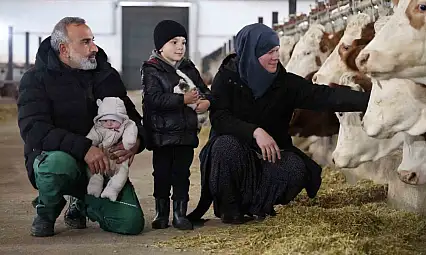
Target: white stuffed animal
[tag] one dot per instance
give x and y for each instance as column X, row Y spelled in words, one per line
column 111, row 124
column 185, row 85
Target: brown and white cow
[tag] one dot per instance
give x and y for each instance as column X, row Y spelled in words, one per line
column 354, row 146
column 312, row 50
column 287, row 44
column 399, row 49
column 309, row 127
column 355, row 149
column 359, row 26
column 395, row 105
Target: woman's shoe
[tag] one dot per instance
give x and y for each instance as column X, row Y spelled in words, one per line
column 232, row 218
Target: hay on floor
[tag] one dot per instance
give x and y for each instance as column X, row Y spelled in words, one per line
column 342, row 219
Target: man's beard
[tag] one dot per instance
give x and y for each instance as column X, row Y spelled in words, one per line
column 83, row 63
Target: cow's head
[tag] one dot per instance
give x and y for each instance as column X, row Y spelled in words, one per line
column 398, row 49
column 395, row 105
column 358, row 25
column 412, row 169
column 311, row 50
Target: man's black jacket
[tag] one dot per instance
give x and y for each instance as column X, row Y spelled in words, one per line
column 57, row 104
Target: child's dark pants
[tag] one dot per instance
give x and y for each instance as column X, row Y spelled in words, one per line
column 171, row 169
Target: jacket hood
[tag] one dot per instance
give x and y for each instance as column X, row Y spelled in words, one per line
column 47, row 58
column 111, row 106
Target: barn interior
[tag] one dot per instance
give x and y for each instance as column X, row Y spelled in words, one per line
column 372, row 203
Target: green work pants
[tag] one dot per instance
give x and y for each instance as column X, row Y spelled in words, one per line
column 58, row 173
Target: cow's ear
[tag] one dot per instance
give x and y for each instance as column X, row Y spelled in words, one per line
column 99, row 102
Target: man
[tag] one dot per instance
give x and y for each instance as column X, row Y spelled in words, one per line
column 56, row 107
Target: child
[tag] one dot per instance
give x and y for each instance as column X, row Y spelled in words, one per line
column 111, row 125
column 170, row 123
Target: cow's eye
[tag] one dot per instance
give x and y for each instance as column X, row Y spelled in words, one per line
column 341, row 114
column 422, row 7
column 307, row 53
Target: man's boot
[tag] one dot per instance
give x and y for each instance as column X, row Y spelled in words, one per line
column 75, row 216
column 179, row 216
column 42, row 227
column 44, row 221
column 162, row 209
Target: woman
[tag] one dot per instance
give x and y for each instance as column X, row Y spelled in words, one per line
column 170, row 124
column 249, row 164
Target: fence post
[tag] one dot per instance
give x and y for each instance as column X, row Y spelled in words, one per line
column 9, row 75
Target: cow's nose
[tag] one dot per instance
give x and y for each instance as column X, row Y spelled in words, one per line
column 362, row 59
column 408, row 177
column 332, row 160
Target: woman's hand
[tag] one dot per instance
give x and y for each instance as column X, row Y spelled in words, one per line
column 267, row 144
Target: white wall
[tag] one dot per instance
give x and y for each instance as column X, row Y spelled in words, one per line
column 39, row 17
column 220, row 20
column 216, row 22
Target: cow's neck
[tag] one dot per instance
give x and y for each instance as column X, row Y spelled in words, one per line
column 416, row 74
column 387, row 146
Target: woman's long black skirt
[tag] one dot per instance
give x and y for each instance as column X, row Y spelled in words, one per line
column 241, row 183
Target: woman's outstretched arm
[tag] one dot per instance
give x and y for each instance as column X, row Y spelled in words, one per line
column 307, row 95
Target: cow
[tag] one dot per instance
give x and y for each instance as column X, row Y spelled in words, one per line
column 287, row 44
column 311, row 132
column 395, row 105
column 359, row 27
column 399, row 49
column 354, row 146
column 312, row 50
column 358, row 151
column 412, row 169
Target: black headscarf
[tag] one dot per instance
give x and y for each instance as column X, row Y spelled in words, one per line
column 252, row 42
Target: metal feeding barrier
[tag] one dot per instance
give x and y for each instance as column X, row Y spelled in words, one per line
column 341, row 11
column 300, row 24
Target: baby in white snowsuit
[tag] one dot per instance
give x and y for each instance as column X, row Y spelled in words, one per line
column 111, row 124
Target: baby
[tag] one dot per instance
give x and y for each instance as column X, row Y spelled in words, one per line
column 110, row 125
column 185, row 85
